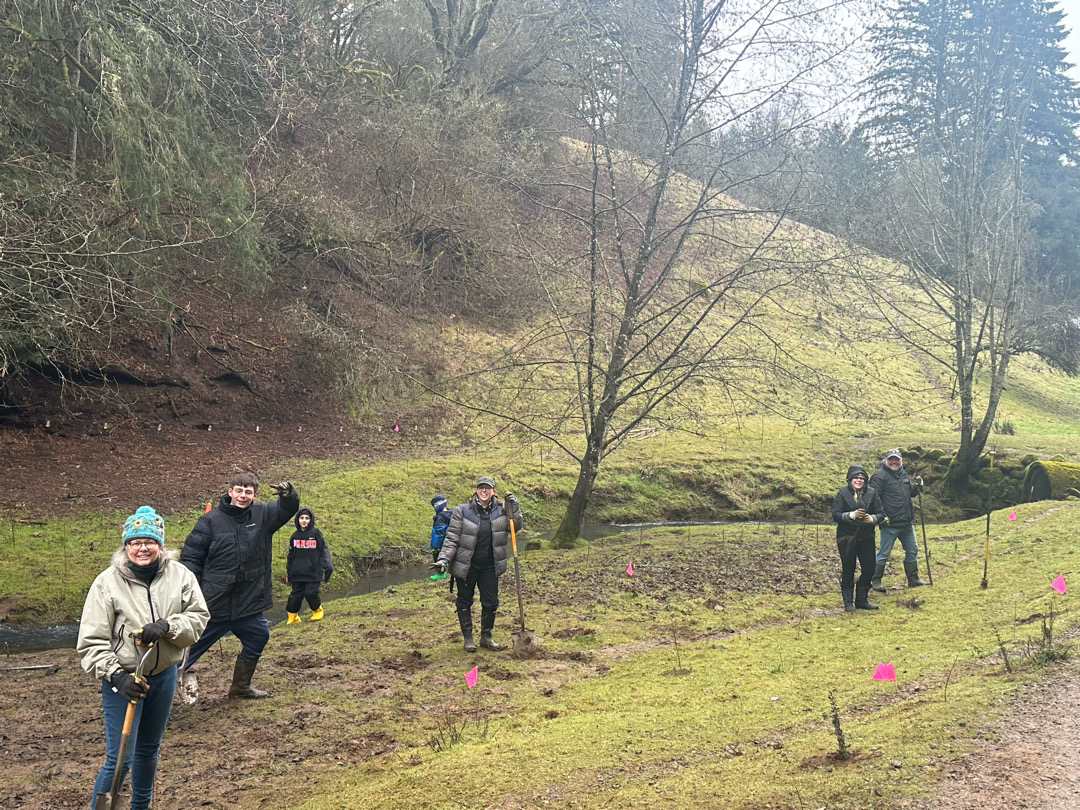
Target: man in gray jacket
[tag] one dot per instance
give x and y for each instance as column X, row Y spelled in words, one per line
column 475, row 553
column 896, row 489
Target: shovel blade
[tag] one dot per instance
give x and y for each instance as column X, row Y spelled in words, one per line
column 106, row 801
column 524, row 643
column 187, row 690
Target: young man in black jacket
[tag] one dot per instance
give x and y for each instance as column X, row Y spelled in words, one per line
column 229, row 551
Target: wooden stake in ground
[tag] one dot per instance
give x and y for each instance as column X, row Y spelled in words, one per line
column 989, row 508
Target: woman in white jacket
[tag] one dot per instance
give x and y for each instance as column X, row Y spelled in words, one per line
column 143, row 599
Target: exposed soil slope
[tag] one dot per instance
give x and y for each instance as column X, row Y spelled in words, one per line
column 171, row 419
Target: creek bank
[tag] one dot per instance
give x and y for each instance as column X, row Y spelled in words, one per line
column 386, row 568
column 18, row 638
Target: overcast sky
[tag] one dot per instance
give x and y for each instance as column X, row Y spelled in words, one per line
column 1072, row 24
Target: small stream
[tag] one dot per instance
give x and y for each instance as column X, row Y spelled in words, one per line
column 23, row 639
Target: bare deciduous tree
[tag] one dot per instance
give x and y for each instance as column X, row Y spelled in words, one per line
column 671, row 276
column 968, row 94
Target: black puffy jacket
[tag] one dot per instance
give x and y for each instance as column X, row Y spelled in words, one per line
column 229, row 551
column 309, row 558
column 848, row 500
column 896, row 491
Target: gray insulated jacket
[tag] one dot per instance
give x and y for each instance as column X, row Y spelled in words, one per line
column 118, row 604
column 460, row 542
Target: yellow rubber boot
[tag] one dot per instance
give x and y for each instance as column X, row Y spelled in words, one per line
column 317, row 613
column 294, row 618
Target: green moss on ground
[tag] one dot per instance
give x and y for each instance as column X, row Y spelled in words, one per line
column 691, row 683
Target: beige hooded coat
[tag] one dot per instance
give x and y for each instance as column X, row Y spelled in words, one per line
column 118, row 604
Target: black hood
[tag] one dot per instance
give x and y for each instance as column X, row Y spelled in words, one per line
column 854, row 469
column 303, row 510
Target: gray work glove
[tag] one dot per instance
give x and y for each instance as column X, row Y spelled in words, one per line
column 439, row 566
column 917, row 480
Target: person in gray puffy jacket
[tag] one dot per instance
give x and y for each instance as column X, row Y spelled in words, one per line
column 144, row 599
column 474, row 551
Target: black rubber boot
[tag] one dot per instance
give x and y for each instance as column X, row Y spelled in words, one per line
column 875, row 583
column 912, row 571
column 849, row 599
column 241, row 679
column 487, row 624
column 861, row 602
column 465, row 620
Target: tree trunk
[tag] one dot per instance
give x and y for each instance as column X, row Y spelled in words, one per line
column 570, row 527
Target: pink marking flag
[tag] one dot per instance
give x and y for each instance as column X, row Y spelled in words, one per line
column 471, row 676
column 1012, row 515
column 1059, row 584
column 630, row 570
column 885, row 672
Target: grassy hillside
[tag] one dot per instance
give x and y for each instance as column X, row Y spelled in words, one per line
column 765, row 445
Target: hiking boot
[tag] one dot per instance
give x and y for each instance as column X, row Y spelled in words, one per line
column 465, row 620
column 912, row 571
column 861, row 602
column 317, row 614
column 875, row 583
column 294, row 618
column 241, row 679
column 487, row 642
column 849, row 599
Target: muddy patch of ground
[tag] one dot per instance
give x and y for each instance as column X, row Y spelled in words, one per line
column 1031, row 759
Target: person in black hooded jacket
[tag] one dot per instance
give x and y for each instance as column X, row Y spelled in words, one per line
column 229, row 551
column 307, row 565
column 857, row 509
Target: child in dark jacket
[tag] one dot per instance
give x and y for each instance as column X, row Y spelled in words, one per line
column 438, row 528
column 307, row 565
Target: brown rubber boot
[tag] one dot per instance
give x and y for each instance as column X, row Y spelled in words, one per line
column 241, row 679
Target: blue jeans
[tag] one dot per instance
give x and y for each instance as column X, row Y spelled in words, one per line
column 253, row 632
column 906, row 535
column 147, row 729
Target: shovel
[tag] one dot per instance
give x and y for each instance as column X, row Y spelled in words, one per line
column 524, row 640
column 107, row 801
column 187, row 686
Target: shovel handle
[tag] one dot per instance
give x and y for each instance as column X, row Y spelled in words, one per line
column 517, row 576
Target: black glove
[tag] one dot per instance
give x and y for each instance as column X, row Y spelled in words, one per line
column 284, row 490
column 129, row 688
column 150, row 633
column 326, row 576
column 439, row 565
